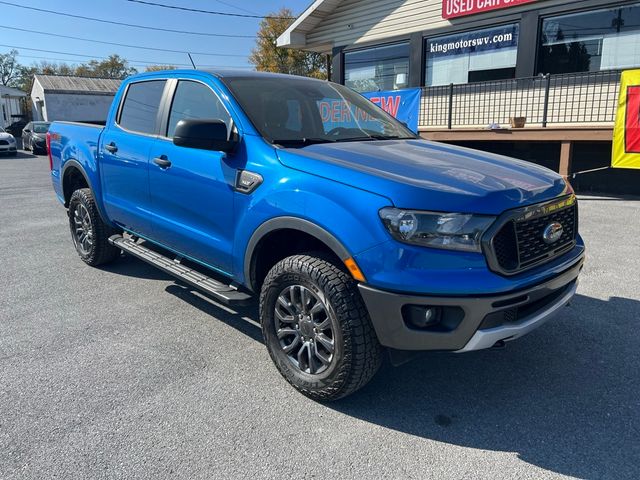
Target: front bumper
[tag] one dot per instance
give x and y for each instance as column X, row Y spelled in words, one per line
column 474, row 323
column 8, row 148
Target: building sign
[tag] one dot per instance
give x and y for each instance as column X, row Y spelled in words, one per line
column 461, row 8
column 478, row 41
column 404, row 105
column 401, row 104
column 626, row 133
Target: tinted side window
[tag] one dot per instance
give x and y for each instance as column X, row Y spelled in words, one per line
column 195, row 100
column 141, row 106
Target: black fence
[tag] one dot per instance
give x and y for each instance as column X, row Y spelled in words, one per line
column 574, row 98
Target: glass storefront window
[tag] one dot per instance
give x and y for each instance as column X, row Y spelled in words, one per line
column 378, row 68
column 588, row 42
column 477, row 56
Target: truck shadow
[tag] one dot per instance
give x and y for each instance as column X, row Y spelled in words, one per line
column 131, row 267
column 565, row 398
column 244, row 319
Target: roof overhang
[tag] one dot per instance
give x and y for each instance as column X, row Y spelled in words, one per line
column 11, row 92
column 296, row 35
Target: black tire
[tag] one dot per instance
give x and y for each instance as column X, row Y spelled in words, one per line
column 95, row 250
column 357, row 355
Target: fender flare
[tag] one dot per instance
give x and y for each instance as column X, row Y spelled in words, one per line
column 73, row 163
column 291, row 223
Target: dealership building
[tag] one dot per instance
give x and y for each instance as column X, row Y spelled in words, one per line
column 484, row 65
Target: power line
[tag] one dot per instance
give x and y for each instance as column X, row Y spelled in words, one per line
column 235, row 6
column 146, row 27
column 211, row 12
column 102, row 58
column 120, row 44
column 139, row 63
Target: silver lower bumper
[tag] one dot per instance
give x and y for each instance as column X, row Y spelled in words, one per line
column 487, row 338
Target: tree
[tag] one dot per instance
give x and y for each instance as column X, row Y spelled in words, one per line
column 157, row 68
column 9, row 68
column 20, row 76
column 24, row 80
column 267, row 57
column 113, row 67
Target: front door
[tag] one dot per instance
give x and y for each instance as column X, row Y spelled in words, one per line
column 125, row 147
column 192, row 190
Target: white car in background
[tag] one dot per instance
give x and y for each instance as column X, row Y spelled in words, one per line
column 7, row 143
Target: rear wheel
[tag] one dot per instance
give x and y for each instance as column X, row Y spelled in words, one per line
column 317, row 329
column 89, row 233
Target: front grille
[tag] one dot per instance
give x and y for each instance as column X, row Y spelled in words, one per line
column 4, row 142
column 519, row 244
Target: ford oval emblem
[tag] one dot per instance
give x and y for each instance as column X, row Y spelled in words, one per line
column 552, row 232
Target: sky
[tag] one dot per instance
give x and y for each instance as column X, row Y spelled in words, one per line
column 225, row 52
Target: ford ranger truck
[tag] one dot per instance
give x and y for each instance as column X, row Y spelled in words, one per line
column 356, row 236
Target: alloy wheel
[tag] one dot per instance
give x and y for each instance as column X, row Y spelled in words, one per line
column 305, row 329
column 82, row 229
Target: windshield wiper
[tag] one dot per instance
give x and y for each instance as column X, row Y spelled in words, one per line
column 301, row 141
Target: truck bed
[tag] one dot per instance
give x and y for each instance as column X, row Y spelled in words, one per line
column 74, row 141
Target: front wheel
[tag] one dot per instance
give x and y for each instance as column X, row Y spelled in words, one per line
column 89, row 233
column 317, row 329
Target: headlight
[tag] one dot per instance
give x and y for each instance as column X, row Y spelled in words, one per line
column 451, row 231
column 12, row 140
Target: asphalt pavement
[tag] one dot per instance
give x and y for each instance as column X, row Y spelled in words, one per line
column 118, row 372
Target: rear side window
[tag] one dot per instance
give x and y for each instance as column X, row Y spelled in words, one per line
column 141, row 105
column 194, row 100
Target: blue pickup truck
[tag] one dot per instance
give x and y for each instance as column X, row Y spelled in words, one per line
column 357, row 236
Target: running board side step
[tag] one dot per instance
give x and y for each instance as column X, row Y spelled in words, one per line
column 217, row 290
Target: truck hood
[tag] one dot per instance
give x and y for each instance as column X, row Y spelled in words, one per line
column 418, row 174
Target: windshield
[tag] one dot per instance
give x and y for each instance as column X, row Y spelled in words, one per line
column 299, row 111
column 41, row 127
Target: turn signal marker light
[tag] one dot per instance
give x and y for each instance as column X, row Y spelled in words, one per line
column 354, row 269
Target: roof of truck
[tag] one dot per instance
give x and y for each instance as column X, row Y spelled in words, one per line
column 218, row 72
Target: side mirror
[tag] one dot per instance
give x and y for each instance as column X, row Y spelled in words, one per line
column 204, row 134
column 27, row 131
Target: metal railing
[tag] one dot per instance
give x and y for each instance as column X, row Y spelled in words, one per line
column 575, row 98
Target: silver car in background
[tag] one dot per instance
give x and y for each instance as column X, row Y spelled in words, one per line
column 7, row 143
column 34, row 137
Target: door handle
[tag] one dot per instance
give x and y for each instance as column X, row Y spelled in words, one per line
column 162, row 162
column 111, row 148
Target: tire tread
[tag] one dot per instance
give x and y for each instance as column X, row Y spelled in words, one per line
column 102, row 252
column 363, row 353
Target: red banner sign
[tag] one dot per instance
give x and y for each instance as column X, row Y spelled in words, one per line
column 460, row 8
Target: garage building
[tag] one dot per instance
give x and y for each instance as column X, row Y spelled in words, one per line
column 69, row 98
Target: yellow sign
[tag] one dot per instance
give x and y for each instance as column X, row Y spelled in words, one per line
column 626, row 133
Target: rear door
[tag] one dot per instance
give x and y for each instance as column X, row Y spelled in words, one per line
column 192, row 198
column 125, row 146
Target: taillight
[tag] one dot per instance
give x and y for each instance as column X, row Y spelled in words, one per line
column 49, row 151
